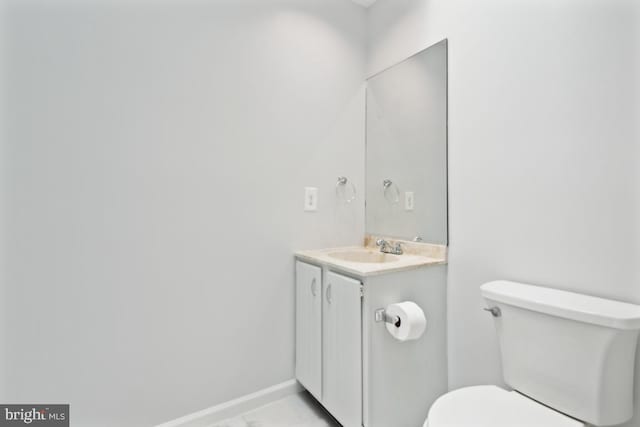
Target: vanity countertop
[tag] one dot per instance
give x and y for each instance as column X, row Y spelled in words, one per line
column 350, row 259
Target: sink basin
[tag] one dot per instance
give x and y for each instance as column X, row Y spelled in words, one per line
column 371, row 257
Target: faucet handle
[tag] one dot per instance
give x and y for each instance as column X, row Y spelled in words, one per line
column 398, row 249
column 381, row 242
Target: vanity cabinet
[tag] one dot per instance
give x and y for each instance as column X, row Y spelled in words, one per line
column 348, row 360
column 329, row 340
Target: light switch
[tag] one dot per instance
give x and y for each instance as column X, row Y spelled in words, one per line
column 408, row 200
column 310, row 199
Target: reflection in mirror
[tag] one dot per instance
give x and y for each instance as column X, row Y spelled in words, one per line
column 406, row 185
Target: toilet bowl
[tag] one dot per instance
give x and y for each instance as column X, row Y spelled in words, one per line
column 569, row 359
column 492, row 406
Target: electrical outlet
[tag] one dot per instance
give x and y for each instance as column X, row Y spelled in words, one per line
column 408, row 200
column 310, row 199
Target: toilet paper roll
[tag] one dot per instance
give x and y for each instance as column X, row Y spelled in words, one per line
column 412, row 321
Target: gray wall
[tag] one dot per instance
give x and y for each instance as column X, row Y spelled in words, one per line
column 543, row 150
column 156, row 154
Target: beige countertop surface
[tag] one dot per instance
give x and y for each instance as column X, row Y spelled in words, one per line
column 350, row 259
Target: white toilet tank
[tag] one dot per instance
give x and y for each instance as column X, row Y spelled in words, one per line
column 574, row 353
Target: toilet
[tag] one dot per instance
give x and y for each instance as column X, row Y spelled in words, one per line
column 568, row 359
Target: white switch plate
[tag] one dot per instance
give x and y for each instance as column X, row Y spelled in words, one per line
column 408, row 200
column 310, row 199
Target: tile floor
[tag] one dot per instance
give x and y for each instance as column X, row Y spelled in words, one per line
column 299, row 410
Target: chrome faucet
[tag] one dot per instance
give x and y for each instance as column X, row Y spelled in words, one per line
column 385, row 247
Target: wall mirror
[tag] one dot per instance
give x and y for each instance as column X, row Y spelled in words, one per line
column 406, row 154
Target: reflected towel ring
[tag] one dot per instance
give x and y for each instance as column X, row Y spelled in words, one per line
column 387, row 184
column 342, row 184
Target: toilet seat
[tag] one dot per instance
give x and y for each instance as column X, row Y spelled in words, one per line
column 491, row 406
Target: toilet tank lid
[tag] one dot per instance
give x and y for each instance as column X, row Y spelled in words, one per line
column 569, row 305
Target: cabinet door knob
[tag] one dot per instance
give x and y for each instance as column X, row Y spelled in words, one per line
column 329, row 293
column 313, row 287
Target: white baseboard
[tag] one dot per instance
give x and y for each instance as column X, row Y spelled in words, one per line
column 235, row 407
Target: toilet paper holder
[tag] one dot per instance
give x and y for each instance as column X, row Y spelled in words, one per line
column 382, row 316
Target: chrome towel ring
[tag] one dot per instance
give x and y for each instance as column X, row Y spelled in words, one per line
column 342, row 192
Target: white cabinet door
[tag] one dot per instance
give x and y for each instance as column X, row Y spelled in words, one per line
column 309, row 327
column 342, row 349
